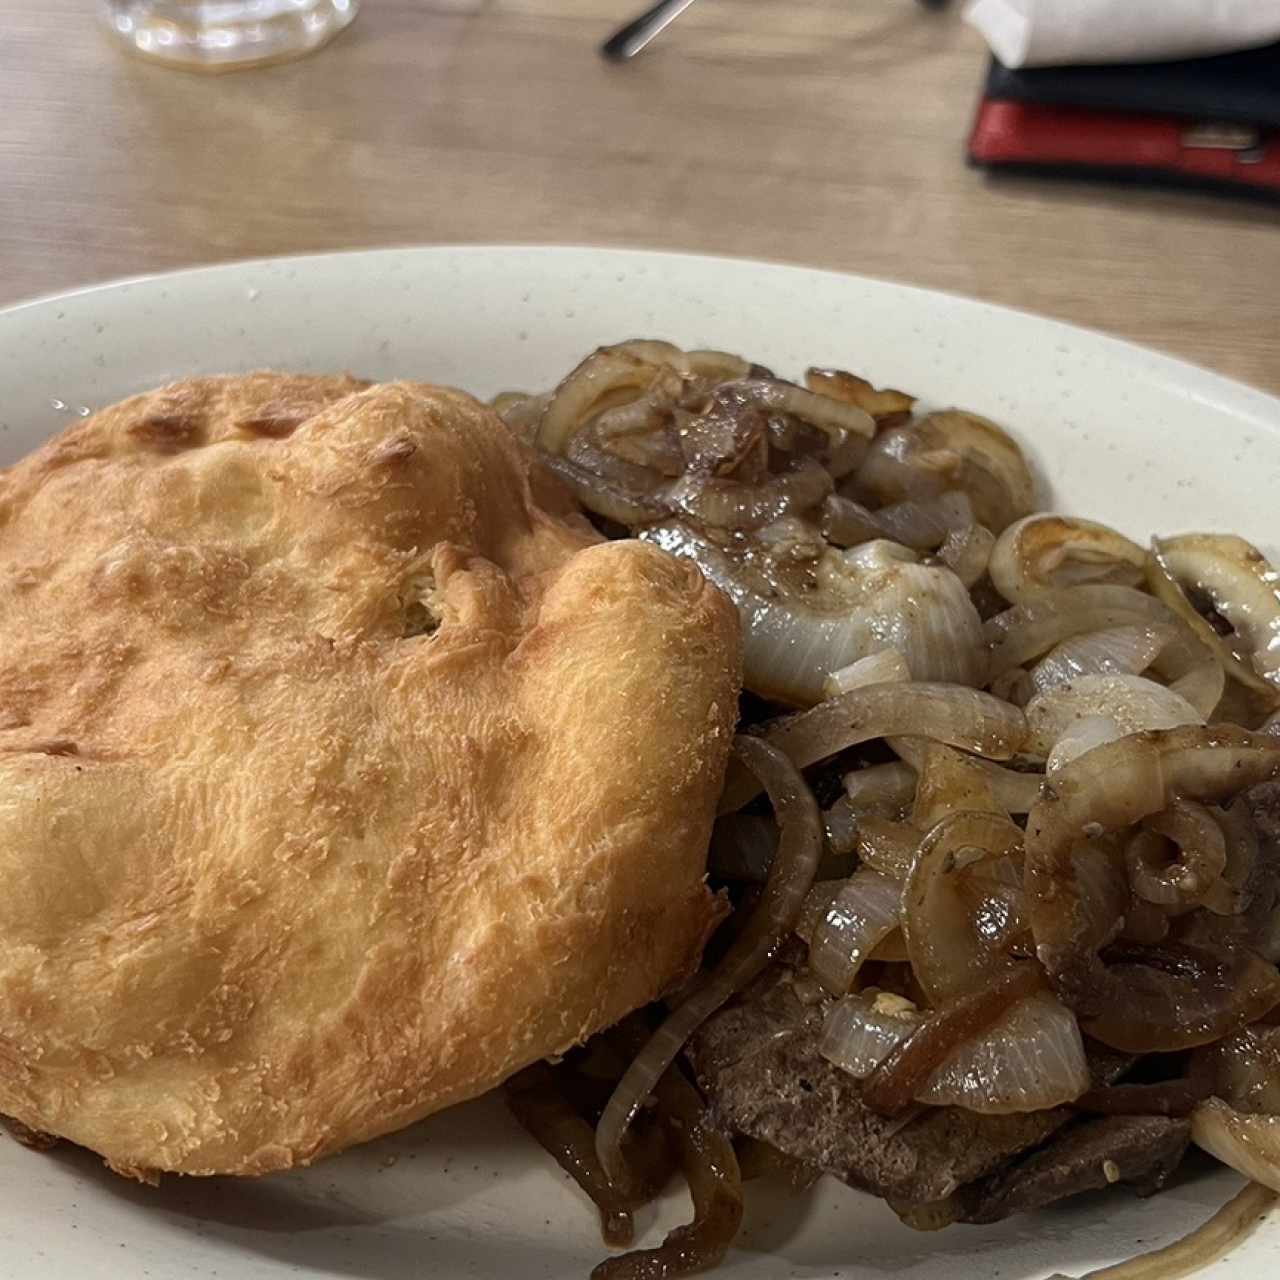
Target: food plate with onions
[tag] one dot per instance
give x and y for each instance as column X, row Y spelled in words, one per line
column 940, row 657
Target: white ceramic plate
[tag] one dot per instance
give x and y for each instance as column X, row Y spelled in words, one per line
column 1118, row 433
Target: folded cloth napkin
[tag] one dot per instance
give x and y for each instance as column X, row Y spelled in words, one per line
column 1039, row 33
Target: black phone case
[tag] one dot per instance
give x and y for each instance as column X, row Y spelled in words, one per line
column 1233, row 88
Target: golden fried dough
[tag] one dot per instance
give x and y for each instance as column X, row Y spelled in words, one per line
column 343, row 770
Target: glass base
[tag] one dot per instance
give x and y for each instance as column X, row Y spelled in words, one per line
column 209, row 35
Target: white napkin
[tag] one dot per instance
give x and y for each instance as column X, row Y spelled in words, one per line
column 1038, row 33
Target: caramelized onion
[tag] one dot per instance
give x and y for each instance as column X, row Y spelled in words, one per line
column 886, row 406
column 1078, row 737
column 607, row 377
column 962, row 906
column 1133, row 703
column 846, row 523
column 1138, row 1007
column 796, row 634
column 888, row 847
column 521, row 412
column 537, row 1103
column 1049, row 617
column 1202, row 686
column 950, row 450
column 829, row 414
column 730, row 504
column 966, row 552
column 886, row 667
column 950, row 781
column 1234, row 580
column 952, row 714
column 858, row 918
column 1248, row 1143
column 1201, row 855
column 1047, row 551
column 1125, row 650
column 604, row 497
column 924, row 523
column 1013, row 791
column 1029, row 1059
column 715, row 1186
column 718, row 366
column 790, row 877
column 886, row 789
column 1244, row 1070
column 840, row 827
column 906, row 1069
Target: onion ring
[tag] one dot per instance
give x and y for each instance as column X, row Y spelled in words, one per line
column 790, row 878
column 1135, row 1007
column 954, row 949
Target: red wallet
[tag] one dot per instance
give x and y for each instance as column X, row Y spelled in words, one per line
column 1055, row 138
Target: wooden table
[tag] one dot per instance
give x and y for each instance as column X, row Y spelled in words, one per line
column 828, row 132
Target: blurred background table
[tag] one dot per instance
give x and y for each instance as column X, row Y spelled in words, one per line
column 827, row 132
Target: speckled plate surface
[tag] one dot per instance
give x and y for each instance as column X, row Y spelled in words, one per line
column 1116, row 432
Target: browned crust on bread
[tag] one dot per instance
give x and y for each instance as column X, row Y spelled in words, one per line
column 339, row 777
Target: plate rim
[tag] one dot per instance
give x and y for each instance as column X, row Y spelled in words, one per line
column 1176, row 372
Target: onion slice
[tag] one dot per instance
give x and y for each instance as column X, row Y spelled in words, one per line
column 950, row 450
column 862, row 914
column 886, row 406
column 1133, row 703
column 961, row 906
column 719, row 503
column 1127, row 650
column 888, row 847
column 1236, row 1220
column 924, row 523
column 829, row 414
column 1030, row 1059
column 790, row 878
column 1249, row 1143
column 1078, row 737
column 1049, row 617
column 949, row 781
column 796, row 631
column 1244, row 1070
column 1014, row 791
column 1234, row 579
column 1047, row 551
column 535, row 1099
column 1201, row 855
column 1202, row 686
column 966, row 552
column 906, row 1069
column 952, row 714
column 1136, row 1007
column 606, row 378
column 885, row 789
column 605, row 497
column 886, row 667
column 715, row 1186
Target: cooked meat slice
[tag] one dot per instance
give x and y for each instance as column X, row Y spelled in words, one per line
column 1141, row 1151
column 759, row 1064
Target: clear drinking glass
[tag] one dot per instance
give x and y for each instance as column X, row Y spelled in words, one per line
column 221, row 35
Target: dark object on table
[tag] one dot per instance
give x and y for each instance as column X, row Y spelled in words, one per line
column 629, row 39
column 1205, row 122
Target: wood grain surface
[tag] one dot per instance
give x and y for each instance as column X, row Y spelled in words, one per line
column 828, row 132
